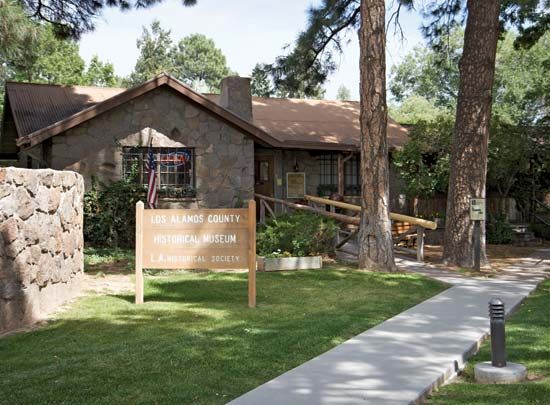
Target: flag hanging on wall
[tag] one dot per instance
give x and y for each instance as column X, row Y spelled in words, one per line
column 151, row 166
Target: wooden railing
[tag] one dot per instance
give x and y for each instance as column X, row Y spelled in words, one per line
column 540, row 218
column 352, row 222
column 264, row 207
column 356, row 208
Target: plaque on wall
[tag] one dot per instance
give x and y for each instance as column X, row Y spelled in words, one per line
column 295, row 185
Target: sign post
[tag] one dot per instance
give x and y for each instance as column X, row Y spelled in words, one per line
column 252, row 254
column 196, row 239
column 139, row 252
column 477, row 214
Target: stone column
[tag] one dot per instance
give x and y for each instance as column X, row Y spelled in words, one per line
column 236, row 97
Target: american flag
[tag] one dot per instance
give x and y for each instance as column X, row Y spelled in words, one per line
column 151, row 166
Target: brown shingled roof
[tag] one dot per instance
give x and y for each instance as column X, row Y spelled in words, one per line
column 41, row 111
column 300, row 121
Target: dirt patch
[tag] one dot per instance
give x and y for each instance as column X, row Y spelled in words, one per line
column 500, row 257
column 102, row 284
column 108, row 278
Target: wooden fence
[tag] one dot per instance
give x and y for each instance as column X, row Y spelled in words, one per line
column 437, row 206
column 407, row 231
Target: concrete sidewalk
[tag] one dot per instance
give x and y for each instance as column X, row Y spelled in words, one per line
column 402, row 359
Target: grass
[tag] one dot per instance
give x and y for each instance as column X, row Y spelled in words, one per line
column 96, row 259
column 195, row 340
column 528, row 343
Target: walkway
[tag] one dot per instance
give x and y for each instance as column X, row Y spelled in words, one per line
column 402, row 359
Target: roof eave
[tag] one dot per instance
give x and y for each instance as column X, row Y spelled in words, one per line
column 80, row 117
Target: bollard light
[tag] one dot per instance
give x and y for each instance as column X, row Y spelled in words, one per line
column 498, row 371
column 498, row 336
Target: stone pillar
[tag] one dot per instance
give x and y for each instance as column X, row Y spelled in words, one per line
column 41, row 243
column 236, row 97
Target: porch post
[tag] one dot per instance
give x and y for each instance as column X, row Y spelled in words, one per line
column 340, row 174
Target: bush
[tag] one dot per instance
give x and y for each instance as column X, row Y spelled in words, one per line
column 499, row 231
column 109, row 214
column 540, row 230
column 297, row 234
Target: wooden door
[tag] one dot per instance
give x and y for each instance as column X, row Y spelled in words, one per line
column 264, row 182
column 264, row 174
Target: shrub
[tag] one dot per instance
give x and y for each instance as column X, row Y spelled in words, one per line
column 109, row 214
column 499, row 231
column 297, row 234
column 540, row 230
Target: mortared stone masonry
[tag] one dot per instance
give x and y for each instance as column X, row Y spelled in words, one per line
column 41, row 243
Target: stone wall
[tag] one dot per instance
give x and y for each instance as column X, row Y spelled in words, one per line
column 224, row 163
column 41, row 242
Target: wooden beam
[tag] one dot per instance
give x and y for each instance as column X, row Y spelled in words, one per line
column 262, row 212
column 341, row 171
column 352, row 207
column 420, row 244
column 340, row 174
column 338, row 217
column 347, row 238
column 268, row 208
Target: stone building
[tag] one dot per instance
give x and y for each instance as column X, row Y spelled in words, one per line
column 212, row 150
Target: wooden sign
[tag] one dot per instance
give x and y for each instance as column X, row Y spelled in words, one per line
column 477, row 209
column 196, row 239
column 295, row 185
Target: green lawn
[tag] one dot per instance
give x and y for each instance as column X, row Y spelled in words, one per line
column 195, row 340
column 528, row 342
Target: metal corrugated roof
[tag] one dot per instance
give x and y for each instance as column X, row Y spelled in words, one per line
column 92, row 101
column 36, row 106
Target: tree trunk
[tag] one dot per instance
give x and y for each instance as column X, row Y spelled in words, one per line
column 468, row 170
column 375, row 241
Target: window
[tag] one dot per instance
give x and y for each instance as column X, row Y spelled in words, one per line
column 328, row 179
column 329, row 170
column 352, row 179
column 175, row 166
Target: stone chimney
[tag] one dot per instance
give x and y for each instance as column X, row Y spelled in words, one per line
column 236, row 97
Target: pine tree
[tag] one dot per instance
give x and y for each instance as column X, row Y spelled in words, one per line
column 375, row 238
column 468, row 172
column 343, row 93
column 197, row 61
column 260, row 84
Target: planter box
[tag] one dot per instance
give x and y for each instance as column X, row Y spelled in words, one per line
column 289, row 263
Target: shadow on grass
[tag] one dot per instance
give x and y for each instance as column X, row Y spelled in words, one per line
column 195, row 340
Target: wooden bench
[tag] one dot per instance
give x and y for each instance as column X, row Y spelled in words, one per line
column 404, row 233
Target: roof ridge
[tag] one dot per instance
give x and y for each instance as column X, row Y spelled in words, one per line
column 64, row 85
column 290, row 98
column 305, row 99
